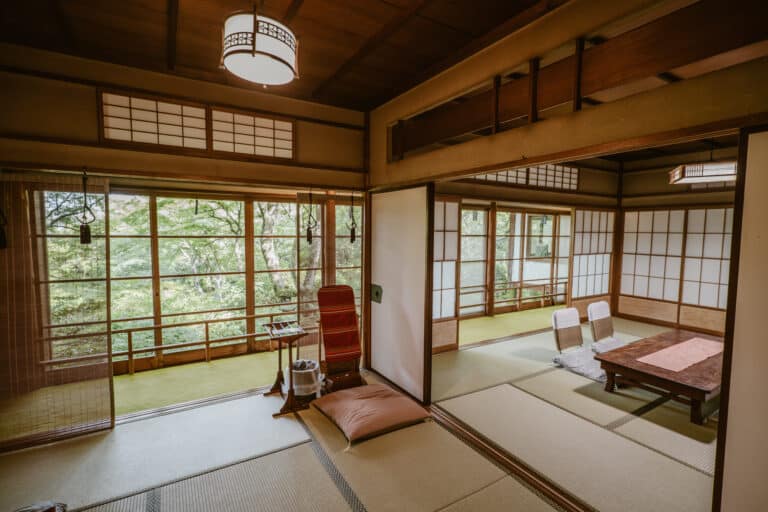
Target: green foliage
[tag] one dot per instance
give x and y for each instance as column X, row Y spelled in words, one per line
column 201, row 262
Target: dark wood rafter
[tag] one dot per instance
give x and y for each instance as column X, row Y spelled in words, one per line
column 392, row 26
column 688, row 35
column 292, row 11
column 495, row 104
column 513, row 24
column 533, row 90
column 173, row 25
column 578, row 66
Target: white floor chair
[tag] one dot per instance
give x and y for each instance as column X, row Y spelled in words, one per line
column 601, row 324
column 574, row 356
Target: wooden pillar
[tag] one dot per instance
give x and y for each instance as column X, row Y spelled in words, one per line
column 156, row 306
column 495, row 104
column 533, row 90
column 329, row 239
column 578, row 65
column 250, row 298
column 490, row 268
column 618, row 243
column 366, row 303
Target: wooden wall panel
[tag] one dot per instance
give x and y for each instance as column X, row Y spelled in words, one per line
column 702, row 318
column 581, row 304
column 646, row 308
column 445, row 335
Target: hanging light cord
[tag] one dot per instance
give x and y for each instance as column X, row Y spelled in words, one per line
column 86, row 208
column 311, row 220
column 352, row 226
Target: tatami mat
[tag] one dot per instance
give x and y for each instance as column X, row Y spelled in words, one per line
column 462, row 371
column 604, row 469
column 422, row 467
column 292, row 479
column 147, row 453
column 506, row 494
column 584, row 397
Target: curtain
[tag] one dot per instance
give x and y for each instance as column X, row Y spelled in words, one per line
column 55, row 364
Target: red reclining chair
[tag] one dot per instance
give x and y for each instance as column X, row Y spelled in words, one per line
column 340, row 332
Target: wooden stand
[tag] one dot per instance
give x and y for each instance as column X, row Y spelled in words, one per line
column 285, row 333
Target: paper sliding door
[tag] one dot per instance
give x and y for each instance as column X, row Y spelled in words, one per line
column 401, row 256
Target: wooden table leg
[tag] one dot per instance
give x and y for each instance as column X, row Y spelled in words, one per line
column 610, row 381
column 697, row 415
column 277, row 387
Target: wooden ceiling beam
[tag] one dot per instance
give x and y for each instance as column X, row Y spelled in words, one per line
column 292, row 11
column 509, row 26
column 688, row 35
column 370, row 44
column 171, row 33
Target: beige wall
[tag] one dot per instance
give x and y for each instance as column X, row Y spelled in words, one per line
column 51, row 120
column 746, row 456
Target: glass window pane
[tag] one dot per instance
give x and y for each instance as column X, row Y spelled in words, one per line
column 64, row 212
column 202, row 293
column 128, row 214
column 189, row 216
column 201, row 255
column 274, row 218
column 130, row 257
column 131, row 298
column 69, row 259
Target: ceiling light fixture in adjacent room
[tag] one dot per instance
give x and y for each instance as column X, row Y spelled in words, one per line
column 704, row 172
column 259, row 49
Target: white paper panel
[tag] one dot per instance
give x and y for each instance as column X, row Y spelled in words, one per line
column 452, row 216
column 439, row 215
column 399, row 252
column 696, row 221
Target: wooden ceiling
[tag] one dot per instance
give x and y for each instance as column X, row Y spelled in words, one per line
column 353, row 53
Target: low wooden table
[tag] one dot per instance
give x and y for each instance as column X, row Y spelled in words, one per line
column 698, row 385
column 285, row 333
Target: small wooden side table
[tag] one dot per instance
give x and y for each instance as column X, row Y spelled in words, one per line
column 285, row 333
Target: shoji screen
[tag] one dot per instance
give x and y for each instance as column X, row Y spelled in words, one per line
column 444, row 274
column 400, row 230
column 653, row 244
column 445, row 256
column 707, row 257
column 592, row 250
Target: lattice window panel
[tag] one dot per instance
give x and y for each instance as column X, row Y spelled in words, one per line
column 592, row 249
column 707, row 257
column 149, row 121
column 445, row 258
column 652, row 254
column 558, row 177
column 252, row 135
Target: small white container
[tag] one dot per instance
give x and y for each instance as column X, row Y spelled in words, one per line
column 305, row 382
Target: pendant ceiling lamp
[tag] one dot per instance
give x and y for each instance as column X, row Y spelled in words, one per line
column 259, row 49
column 706, row 172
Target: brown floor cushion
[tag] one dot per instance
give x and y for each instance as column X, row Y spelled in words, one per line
column 370, row 410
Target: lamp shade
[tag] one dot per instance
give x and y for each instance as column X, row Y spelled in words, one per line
column 707, row 172
column 259, row 49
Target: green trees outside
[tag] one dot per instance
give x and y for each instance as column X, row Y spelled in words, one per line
column 200, row 263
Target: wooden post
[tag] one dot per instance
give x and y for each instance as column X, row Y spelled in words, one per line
column 618, row 243
column 156, row 306
column 207, row 342
column 490, row 266
column 578, row 65
column 533, row 90
column 250, row 299
column 131, row 367
column 495, row 105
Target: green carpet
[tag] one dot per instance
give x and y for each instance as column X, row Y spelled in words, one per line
column 177, row 384
column 485, row 328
